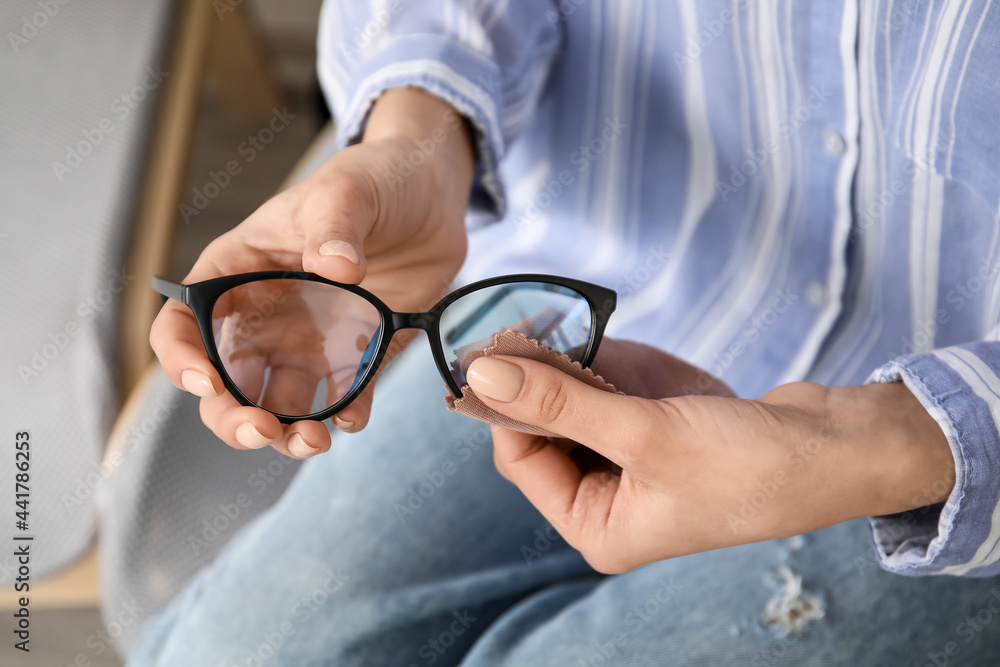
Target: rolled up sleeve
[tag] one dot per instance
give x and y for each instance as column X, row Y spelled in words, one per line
column 488, row 60
column 960, row 387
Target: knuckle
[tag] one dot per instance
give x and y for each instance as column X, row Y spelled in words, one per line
column 351, row 191
column 639, row 435
column 354, row 189
column 680, row 412
column 552, row 399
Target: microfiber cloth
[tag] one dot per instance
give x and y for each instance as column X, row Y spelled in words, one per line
column 516, row 344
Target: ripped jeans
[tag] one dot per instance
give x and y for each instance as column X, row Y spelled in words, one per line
column 402, row 546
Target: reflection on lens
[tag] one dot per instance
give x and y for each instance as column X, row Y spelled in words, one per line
column 555, row 316
column 295, row 347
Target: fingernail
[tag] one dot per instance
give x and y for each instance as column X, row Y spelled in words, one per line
column 248, row 436
column 343, row 424
column 197, row 383
column 496, row 379
column 298, row 447
column 339, row 249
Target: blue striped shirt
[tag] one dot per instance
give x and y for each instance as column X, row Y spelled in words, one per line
column 778, row 190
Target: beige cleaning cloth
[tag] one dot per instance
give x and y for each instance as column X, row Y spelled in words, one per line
column 516, row 344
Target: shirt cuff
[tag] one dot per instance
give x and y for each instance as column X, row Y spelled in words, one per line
column 957, row 389
column 461, row 77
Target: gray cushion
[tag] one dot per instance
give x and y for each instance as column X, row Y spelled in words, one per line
column 74, row 118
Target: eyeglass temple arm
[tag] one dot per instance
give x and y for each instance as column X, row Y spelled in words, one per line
column 170, row 290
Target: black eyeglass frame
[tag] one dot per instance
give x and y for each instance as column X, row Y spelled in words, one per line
column 201, row 298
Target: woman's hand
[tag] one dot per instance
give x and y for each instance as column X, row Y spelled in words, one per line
column 680, row 475
column 387, row 214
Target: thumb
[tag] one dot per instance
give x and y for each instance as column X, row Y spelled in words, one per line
column 535, row 393
column 336, row 217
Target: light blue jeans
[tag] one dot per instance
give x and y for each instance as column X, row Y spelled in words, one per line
column 402, row 546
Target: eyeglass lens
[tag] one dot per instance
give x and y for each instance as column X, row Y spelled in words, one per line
column 555, row 316
column 295, row 347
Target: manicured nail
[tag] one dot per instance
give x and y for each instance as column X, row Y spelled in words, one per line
column 298, row 447
column 496, row 379
column 343, row 424
column 248, row 436
column 197, row 383
column 340, row 249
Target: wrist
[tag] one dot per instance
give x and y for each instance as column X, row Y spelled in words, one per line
column 906, row 456
column 429, row 136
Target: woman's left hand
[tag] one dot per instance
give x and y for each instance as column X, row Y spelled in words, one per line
column 686, row 474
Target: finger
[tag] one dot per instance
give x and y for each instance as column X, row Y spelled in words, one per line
column 614, row 425
column 175, row 337
column 303, row 440
column 239, row 426
column 177, row 344
column 354, row 417
column 336, row 217
column 576, row 504
column 290, row 390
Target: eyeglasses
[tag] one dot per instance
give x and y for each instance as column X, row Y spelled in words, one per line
column 303, row 347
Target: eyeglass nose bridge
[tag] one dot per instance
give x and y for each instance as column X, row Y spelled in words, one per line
column 424, row 321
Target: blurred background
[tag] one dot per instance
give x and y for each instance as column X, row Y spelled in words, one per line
column 132, row 134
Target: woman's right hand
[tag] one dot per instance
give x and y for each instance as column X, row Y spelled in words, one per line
column 387, row 214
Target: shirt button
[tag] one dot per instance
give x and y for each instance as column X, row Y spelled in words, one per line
column 833, row 142
column 816, row 294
